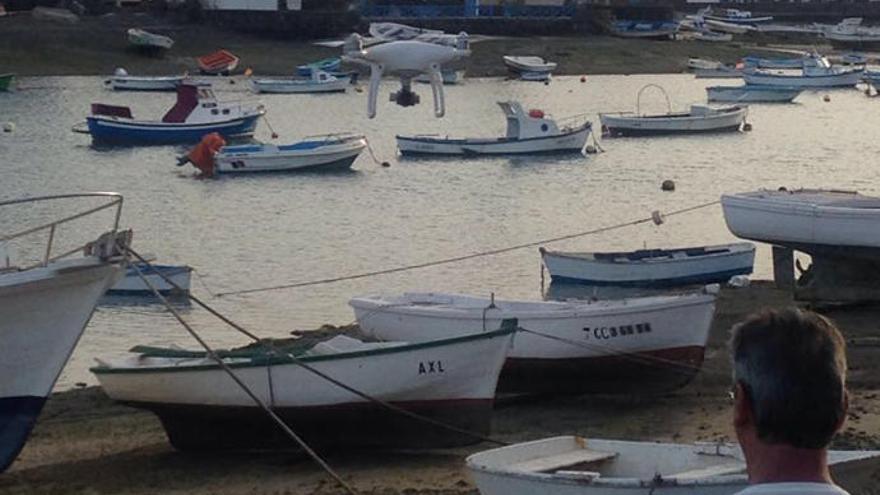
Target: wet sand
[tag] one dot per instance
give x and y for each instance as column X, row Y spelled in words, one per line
column 84, row 443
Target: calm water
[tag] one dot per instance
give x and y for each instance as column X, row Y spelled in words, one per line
column 244, row 232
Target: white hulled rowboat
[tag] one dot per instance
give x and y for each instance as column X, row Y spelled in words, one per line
column 811, row 220
column 43, row 311
column 701, row 63
column 751, row 93
column 817, row 72
column 121, row 81
column 633, row 345
column 451, row 380
column 133, row 284
column 652, row 267
column 699, row 119
column 528, row 64
column 527, row 133
column 319, row 82
column 570, row 465
column 332, row 152
column 145, row 40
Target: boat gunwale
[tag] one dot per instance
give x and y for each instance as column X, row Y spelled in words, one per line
column 733, row 249
column 487, row 141
column 802, row 208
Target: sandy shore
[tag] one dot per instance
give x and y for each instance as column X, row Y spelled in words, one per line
column 84, row 443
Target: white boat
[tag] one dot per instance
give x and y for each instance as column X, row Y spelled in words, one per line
column 570, row 465
column 121, row 81
column 133, row 284
column 817, row 72
column 144, row 40
column 850, row 33
column 751, row 93
column 712, row 36
column 811, row 220
column 724, row 72
column 535, row 76
column 652, row 267
column 527, row 133
column 528, row 64
column 728, row 27
column 736, row 16
column 331, row 152
column 646, row 344
column 652, row 30
column 450, row 380
column 44, row 307
column 701, row 63
column 318, row 82
column 698, row 119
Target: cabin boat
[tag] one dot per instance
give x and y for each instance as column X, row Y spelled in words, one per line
column 527, row 133
column 196, row 113
column 451, row 380
column 529, row 65
column 636, row 345
column 698, row 119
column 148, row 42
column 652, row 267
column 7, row 82
column 736, row 16
column 45, row 307
column 817, row 72
column 751, row 93
column 133, row 285
column 219, row 63
column 318, row 82
column 331, row 65
column 571, row 465
column 659, row 30
column 331, row 152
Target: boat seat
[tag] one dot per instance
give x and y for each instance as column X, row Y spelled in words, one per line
column 566, row 459
column 710, row 471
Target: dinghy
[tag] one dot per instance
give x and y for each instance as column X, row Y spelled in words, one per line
column 318, row 82
column 331, row 152
column 450, row 380
column 121, row 81
column 133, row 285
column 659, row 30
column 331, row 64
column 699, row 119
column 570, row 465
column 817, row 72
column 196, row 113
column 45, row 307
column 652, row 267
column 521, row 64
column 811, row 220
column 219, row 63
column 148, row 42
column 637, row 345
column 7, row 82
column 527, row 133
column 751, row 93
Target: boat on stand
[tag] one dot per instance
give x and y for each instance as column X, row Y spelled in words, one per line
column 46, row 305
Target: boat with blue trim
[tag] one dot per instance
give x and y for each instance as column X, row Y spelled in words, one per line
column 816, row 72
column 752, row 93
column 317, row 82
column 196, row 113
column 132, row 284
column 331, row 64
column 736, row 16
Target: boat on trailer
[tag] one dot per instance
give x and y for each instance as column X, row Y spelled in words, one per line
column 635, row 345
column 571, row 465
column 751, row 93
column 530, row 132
column 318, row 82
column 45, row 306
column 652, row 267
column 330, row 152
column 451, row 380
column 133, row 285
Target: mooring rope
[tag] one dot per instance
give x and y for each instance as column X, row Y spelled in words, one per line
column 491, row 252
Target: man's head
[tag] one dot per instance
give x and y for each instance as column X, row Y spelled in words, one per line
column 789, row 371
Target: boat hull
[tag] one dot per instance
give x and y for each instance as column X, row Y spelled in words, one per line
column 144, row 83
column 847, row 79
column 570, row 142
column 293, row 86
column 751, row 94
column 624, row 125
column 131, row 283
column 108, row 130
column 334, row 157
column 720, row 73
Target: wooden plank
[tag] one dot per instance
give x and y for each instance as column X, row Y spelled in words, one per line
column 554, row 462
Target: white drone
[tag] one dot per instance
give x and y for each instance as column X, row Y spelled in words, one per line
column 406, row 52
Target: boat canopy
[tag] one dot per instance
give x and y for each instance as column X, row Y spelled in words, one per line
column 188, row 98
column 522, row 125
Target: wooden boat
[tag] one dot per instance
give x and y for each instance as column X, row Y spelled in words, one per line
column 331, row 65
column 811, row 220
column 527, row 133
column 735, row 16
column 570, row 465
column 196, row 113
column 331, row 152
column 817, row 72
column 219, row 63
column 148, row 42
column 450, row 380
column 132, row 284
column 636, row 345
column 751, row 93
column 528, row 64
column 45, row 307
column 652, row 267
column 659, row 30
column 7, row 81
column 318, row 82
column 699, row 119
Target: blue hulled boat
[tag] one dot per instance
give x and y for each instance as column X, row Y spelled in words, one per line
column 325, row 65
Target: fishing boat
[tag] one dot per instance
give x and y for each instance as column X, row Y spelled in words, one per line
column 121, row 81
column 774, row 63
column 736, row 16
column 528, row 65
column 7, row 82
column 318, row 82
column 850, row 33
column 148, row 42
column 450, row 76
column 451, row 380
column 751, row 93
column 331, row 65
column 570, row 465
column 817, row 72
column 636, row 345
column 658, row 30
column 45, row 306
column 330, row 152
column 132, row 284
column 527, row 133
column 652, row 267
column 811, row 220
column 196, row 113
column 219, row 63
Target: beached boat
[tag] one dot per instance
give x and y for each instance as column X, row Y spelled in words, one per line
column 751, row 93
column 219, row 63
column 7, row 81
column 813, row 219
column 196, row 113
column 121, row 81
column 773, row 63
column 133, row 284
column 45, row 307
column 451, row 380
column 701, row 63
column 318, row 82
column 528, row 64
column 331, row 65
column 817, row 72
column 698, row 119
column 652, row 267
column 331, row 152
column 736, row 16
column 527, row 133
column 637, row 345
column 659, row 30
column 712, row 36
column 148, row 42
column 570, row 465
column 723, row 72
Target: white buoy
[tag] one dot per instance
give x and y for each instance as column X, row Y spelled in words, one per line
column 9, row 127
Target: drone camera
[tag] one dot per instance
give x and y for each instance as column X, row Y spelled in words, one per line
column 405, row 98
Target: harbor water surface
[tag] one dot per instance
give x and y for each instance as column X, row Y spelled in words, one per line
column 267, row 230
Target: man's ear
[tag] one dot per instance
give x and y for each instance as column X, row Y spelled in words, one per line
column 742, row 406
